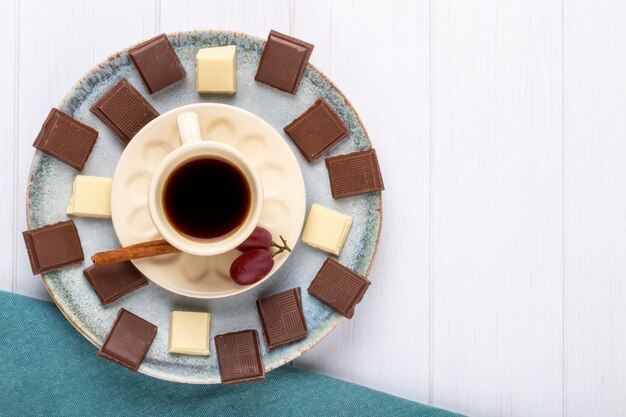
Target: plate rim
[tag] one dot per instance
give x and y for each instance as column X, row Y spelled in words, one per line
column 334, row 319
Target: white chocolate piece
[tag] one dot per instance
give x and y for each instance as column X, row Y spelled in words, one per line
column 189, row 333
column 91, row 197
column 216, row 69
column 326, row 229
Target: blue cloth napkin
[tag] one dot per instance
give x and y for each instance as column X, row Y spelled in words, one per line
column 48, row 369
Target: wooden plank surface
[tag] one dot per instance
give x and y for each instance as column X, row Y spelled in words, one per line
column 595, row 208
column 8, row 138
column 497, row 225
column 250, row 16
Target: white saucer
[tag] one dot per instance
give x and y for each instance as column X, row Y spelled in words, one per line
column 283, row 210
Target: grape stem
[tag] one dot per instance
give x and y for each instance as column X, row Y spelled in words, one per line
column 281, row 248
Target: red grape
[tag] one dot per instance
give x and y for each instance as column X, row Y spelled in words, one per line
column 259, row 239
column 251, row 266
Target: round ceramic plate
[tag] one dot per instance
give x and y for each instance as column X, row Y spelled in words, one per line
column 50, row 187
column 283, row 190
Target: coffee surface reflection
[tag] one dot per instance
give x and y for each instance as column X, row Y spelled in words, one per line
column 206, row 198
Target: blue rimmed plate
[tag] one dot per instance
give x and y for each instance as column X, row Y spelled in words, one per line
column 50, row 187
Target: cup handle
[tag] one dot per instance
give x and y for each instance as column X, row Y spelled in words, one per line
column 188, row 128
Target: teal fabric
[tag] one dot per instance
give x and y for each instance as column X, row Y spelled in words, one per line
column 48, row 369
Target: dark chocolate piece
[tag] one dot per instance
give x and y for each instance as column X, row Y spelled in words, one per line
column 283, row 62
column 239, row 357
column 338, row 287
column 53, row 246
column 124, row 110
column 157, row 63
column 317, row 130
column 282, row 318
column 112, row 281
column 66, row 139
column 128, row 341
column 355, row 173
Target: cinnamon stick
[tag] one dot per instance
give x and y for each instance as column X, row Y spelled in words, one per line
column 137, row 251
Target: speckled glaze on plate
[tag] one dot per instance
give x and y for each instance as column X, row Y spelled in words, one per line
column 50, row 187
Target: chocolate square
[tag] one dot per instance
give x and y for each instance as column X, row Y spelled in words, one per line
column 112, row 281
column 317, row 130
column 282, row 318
column 338, row 287
column 283, row 62
column 53, row 246
column 239, row 357
column 66, row 139
column 129, row 340
column 124, row 110
column 355, row 173
column 157, row 63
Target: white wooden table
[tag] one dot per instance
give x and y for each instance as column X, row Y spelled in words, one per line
column 500, row 284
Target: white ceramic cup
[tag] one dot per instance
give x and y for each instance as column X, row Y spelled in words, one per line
column 193, row 147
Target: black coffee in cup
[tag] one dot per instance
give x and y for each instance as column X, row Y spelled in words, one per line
column 206, row 198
